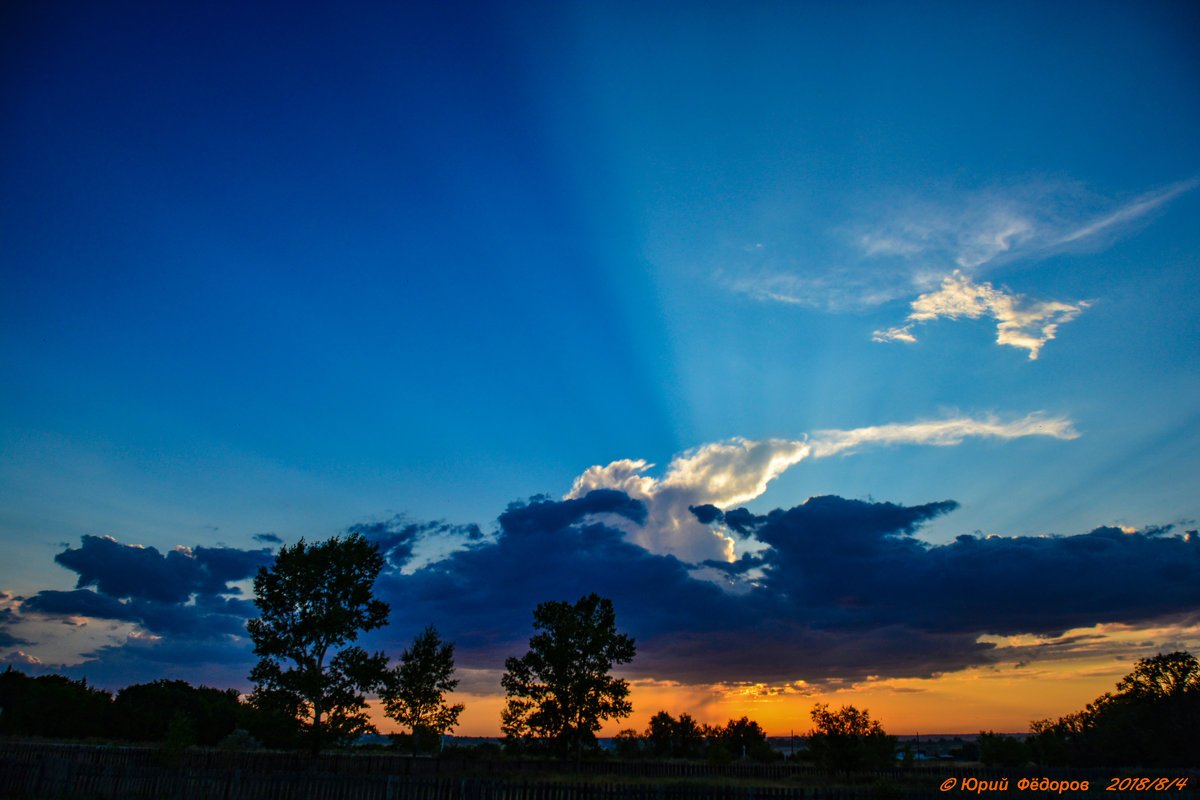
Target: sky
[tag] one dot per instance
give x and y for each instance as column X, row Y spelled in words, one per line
column 851, row 350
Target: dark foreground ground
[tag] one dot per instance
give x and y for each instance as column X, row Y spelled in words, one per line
column 46, row 771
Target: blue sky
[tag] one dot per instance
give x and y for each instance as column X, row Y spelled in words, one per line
column 290, row 270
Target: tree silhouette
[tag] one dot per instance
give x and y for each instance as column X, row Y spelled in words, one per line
column 561, row 690
column 314, row 601
column 52, row 706
column 1152, row 720
column 1162, row 677
column 744, row 738
column 668, row 737
column 144, row 711
column 849, row 739
column 414, row 692
column 998, row 750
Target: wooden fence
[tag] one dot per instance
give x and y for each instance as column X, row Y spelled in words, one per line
column 47, row 771
column 59, row 780
column 386, row 763
column 399, row 764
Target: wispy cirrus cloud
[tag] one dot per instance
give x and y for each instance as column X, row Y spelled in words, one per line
column 843, row 289
column 735, row 471
column 1020, row 322
column 973, row 230
column 938, row 244
column 1129, row 213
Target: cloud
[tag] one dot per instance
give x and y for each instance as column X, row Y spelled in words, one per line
column 408, row 545
column 845, row 590
column 841, row 589
column 941, row 432
column 8, row 617
column 543, row 550
column 841, row 289
column 829, row 591
column 858, row 565
column 223, row 661
column 908, row 242
column 21, row 659
column 131, row 571
column 181, row 602
column 9, row 640
column 80, row 602
column 724, row 474
column 267, row 538
column 1020, row 322
column 964, row 229
column 959, row 237
column 1131, row 212
column 972, row 229
column 208, row 616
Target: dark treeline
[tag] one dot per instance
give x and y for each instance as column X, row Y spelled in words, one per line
column 57, row 707
column 668, row 737
column 845, row 740
column 1151, row 720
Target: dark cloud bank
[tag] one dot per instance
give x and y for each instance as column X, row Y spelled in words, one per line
column 195, row 620
column 845, row 590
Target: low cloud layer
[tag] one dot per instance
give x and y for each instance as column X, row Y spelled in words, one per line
column 186, row 612
column 1020, row 322
column 7, row 618
column 844, row 589
column 840, row 590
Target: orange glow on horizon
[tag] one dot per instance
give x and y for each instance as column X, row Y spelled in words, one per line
column 1003, row 697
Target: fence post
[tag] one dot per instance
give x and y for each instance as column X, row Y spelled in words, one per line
column 233, row 785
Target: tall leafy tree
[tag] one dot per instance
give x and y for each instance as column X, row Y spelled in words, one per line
column 414, row 693
column 314, row 601
column 849, row 739
column 668, row 737
column 1152, row 720
column 561, row 690
column 745, row 738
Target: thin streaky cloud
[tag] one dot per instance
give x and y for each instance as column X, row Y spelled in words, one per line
column 1131, row 212
column 973, row 229
column 941, row 432
column 836, row 291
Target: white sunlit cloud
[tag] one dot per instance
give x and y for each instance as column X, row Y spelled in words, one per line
column 733, row 472
column 911, row 244
column 1020, row 322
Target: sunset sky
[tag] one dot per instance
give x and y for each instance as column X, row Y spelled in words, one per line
column 851, row 349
